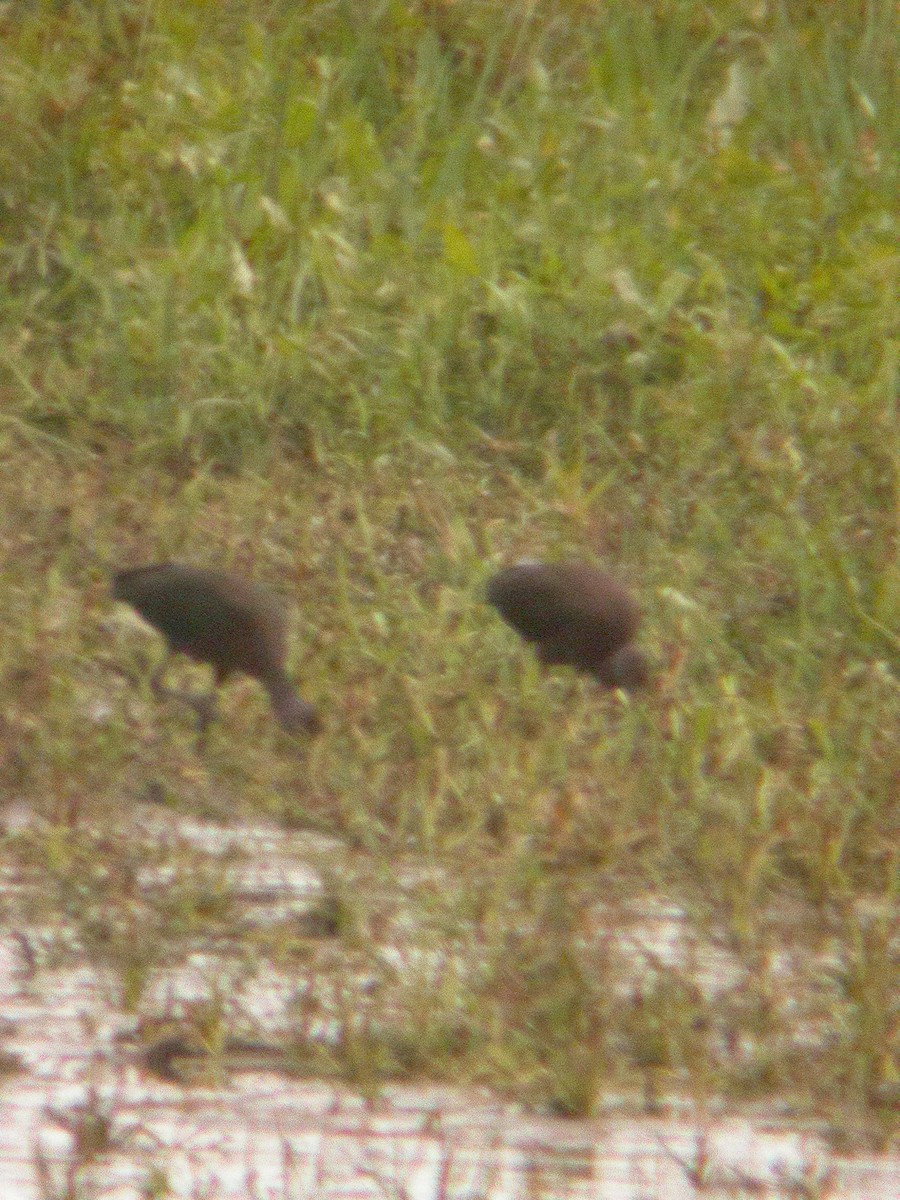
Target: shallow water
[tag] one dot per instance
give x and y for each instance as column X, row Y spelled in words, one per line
column 265, row 1136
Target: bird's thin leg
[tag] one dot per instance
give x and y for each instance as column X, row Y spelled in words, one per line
column 161, row 690
column 157, row 687
column 207, row 706
column 203, row 705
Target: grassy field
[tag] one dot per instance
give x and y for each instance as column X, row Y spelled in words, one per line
column 366, row 300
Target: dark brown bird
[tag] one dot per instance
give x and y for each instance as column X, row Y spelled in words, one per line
column 576, row 616
column 221, row 619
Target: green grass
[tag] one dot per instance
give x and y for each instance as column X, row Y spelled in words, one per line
column 368, row 300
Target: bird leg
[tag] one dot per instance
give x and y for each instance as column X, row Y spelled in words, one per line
column 207, row 706
column 157, row 687
column 204, row 705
